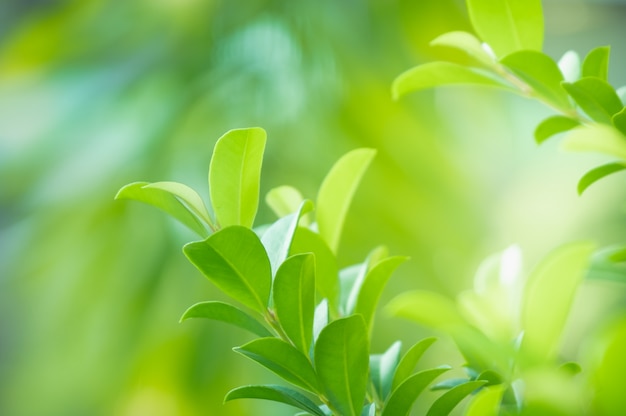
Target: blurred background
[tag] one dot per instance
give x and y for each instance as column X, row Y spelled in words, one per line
column 95, row 94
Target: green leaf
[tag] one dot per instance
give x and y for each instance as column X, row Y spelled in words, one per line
column 427, row 308
column 508, row 25
column 234, row 176
column 596, row 138
column 569, row 64
column 595, row 97
column 449, row 383
column 608, row 264
column 277, row 394
column 294, row 299
column 571, row 368
column 369, row 410
column 163, row 200
column 283, row 359
column 621, row 93
column 448, row 401
column 553, row 125
column 437, row 74
column 321, row 318
column 224, row 312
column 467, row 43
column 278, row 237
column 619, row 120
column 284, row 200
column 353, row 277
column 486, row 402
column 336, row 193
column 409, row 361
column 598, row 173
column 186, row 195
column 382, row 369
column 235, row 261
column 342, row 361
column 326, row 271
column 548, row 297
column 402, row 397
column 541, row 73
column 373, row 285
column 596, row 63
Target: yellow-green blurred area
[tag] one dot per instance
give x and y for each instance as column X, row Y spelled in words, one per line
column 95, row 94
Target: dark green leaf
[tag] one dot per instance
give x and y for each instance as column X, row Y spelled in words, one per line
column 598, row 173
column 619, row 120
column 409, row 361
column 284, row 200
column 235, row 261
column 486, row 402
column 596, row 63
column 402, row 397
column 541, row 73
column 595, row 97
column 164, row 200
column 436, row 74
column 283, row 359
column 467, row 43
column 224, row 312
column 508, row 25
column 294, row 299
column 277, row 394
column 448, row 401
column 342, row 361
column 553, row 125
column 336, row 192
column 383, row 368
column 596, row 138
column 234, row 176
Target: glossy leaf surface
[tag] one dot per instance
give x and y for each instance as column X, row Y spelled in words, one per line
column 409, row 361
column 598, row 173
column 553, row 125
column 186, row 195
column 448, row 401
column 596, row 63
column 277, row 394
column 402, row 397
column 382, row 369
column 595, row 97
column 224, row 312
column 619, row 121
column 467, row 43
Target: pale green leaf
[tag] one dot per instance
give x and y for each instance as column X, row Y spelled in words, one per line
column 341, row 362
column 569, row 64
column 541, row 73
column 426, row 308
column 224, row 312
column 608, row 374
column 352, row 279
column 548, row 296
column 598, row 173
column 596, row 138
column 437, row 74
column 163, row 200
column 284, row 200
column 283, row 359
column 508, row 25
column 619, row 120
column 486, row 402
column 186, row 195
column 553, row 125
column 467, row 43
column 294, row 299
column 621, row 93
column 409, row 361
column 382, row 369
column 596, row 63
column 595, row 97
column 369, row 410
column 234, row 176
column 402, row 397
column 277, row 394
column 235, row 261
column 336, row 192
column 321, row 318
column 448, row 401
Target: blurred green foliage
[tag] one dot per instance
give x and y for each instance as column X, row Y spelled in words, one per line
column 96, row 93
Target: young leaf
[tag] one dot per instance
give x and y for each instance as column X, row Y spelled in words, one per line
column 467, row 43
column 224, row 312
column 508, row 25
column 596, row 138
column 569, row 64
column 436, row 74
column 448, row 401
column 402, row 397
column 341, row 361
column 409, row 361
column 352, row 278
column 553, row 125
column 619, row 121
column 277, row 394
column 294, row 299
column 595, row 97
column 382, row 369
column 540, row 72
column 486, row 402
column 234, row 176
column 336, row 193
column 373, row 285
column 598, row 173
column 278, row 237
column 163, row 200
column 235, row 261
column 547, row 299
column 186, row 195
column 596, row 63
column 284, row 200
column 283, row 359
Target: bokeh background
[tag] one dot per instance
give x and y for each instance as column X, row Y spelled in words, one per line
column 95, row 94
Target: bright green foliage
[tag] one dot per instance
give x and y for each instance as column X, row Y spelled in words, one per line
column 409, row 361
column 554, row 125
column 486, row 402
column 596, row 138
column 508, row 25
column 382, row 369
column 448, row 401
column 595, row 97
column 598, row 173
column 224, row 312
column 596, row 63
column 402, row 397
column 284, row 200
column 468, row 43
column 234, row 176
column 276, row 394
column 619, row 120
